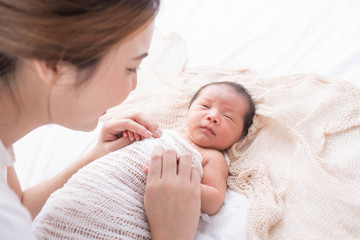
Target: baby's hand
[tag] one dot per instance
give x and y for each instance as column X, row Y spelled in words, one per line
column 136, row 127
column 121, row 130
column 146, row 169
column 135, row 136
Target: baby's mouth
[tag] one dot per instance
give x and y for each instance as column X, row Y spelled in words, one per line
column 208, row 129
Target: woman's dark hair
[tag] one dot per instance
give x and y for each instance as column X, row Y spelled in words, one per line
column 79, row 32
column 242, row 91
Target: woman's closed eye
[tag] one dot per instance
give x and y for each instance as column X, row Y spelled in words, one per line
column 133, row 70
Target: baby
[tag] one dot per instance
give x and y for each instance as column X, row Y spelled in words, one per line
column 220, row 113
column 106, row 198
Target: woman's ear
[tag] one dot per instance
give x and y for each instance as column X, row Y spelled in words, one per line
column 52, row 73
column 45, row 72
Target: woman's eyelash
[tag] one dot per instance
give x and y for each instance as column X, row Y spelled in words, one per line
column 133, row 70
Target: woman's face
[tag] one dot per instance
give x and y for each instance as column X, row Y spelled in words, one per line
column 216, row 117
column 111, row 83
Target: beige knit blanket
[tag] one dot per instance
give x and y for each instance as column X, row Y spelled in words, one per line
column 300, row 164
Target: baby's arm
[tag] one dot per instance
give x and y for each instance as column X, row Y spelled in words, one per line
column 213, row 184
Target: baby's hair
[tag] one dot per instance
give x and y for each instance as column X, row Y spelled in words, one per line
column 242, row 91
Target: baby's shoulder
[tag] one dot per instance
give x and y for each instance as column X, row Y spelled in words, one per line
column 210, row 155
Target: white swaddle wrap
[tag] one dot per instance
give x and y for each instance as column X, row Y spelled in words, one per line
column 105, row 199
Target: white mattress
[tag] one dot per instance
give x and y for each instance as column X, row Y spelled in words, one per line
column 276, row 37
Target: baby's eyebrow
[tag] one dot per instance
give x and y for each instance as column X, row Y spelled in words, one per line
column 231, row 109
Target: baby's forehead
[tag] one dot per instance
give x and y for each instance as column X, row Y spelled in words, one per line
column 231, row 98
column 223, row 88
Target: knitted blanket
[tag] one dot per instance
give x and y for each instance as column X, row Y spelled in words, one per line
column 104, row 200
column 300, row 164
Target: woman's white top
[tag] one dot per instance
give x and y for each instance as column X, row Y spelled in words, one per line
column 15, row 219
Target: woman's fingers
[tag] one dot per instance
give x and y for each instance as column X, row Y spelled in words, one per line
column 166, row 165
column 137, row 123
column 184, row 166
column 195, row 177
column 120, row 131
column 169, row 164
column 172, row 200
column 116, row 126
column 155, row 166
column 120, row 143
column 148, row 123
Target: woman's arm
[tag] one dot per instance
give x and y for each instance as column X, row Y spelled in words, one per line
column 213, row 184
column 110, row 140
column 35, row 197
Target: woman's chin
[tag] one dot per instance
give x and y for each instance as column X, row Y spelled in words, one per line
column 90, row 126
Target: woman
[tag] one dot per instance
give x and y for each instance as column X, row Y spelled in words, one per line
column 66, row 62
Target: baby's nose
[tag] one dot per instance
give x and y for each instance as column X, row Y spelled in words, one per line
column 213, row 118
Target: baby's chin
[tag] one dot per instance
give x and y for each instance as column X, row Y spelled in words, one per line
column 199, row 141
column 222, row 147
column 209, row 145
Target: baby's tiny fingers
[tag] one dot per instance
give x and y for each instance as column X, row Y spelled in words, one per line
column 125, row 134
column 146, row 168
column 137, row 136
column 131, row 135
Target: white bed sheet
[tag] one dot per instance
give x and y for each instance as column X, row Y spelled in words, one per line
column 275, row 37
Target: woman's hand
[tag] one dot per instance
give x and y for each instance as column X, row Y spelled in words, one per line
column 110, row 140
column 172, row 196
column 120, row 131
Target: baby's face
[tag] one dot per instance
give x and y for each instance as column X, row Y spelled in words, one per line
column 216, row 118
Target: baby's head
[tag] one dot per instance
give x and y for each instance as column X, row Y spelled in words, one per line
column 220, row 113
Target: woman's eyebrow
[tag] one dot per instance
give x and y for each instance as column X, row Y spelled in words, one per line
column 141, row 56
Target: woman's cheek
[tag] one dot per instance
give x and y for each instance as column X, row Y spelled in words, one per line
column 134, row 82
